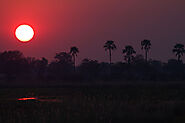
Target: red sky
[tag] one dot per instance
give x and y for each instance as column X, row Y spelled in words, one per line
column 87, row 24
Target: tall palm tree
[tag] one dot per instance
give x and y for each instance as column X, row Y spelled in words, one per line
column 74, row 51
column 179, row 51
column 146, row 45
column 109, row 45
column 128, row 51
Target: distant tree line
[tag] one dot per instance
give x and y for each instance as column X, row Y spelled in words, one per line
column 14, row 66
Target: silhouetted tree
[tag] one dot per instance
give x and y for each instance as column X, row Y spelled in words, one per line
column 74, row 51
column 179, row 51
column 109, row 45
column 128, row 51
column 89, row 68
column 41, row 66
column 146, row 45
column 62, row 67
column 138, row 59
column 63, row 57
column 104, row 69
column 11, row 55
column 12, row 63
column 174, row 69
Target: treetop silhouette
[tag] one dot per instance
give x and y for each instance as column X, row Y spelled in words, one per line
column 146, row 45
column 109, row 45
column 74, row 51
column 129, row 51
column 179, row 51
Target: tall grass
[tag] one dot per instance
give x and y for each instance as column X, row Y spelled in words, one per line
column 98, row 104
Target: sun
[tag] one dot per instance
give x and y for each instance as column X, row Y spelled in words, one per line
column 24, row 33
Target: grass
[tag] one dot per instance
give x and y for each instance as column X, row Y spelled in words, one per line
column 161, row 103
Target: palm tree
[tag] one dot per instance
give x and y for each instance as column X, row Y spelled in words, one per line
column 179, row 51
column 74, row 51
column 109, row 45
column 146, row 45
column 128, row 51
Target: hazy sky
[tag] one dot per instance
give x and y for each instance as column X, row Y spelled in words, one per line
column 87, row 24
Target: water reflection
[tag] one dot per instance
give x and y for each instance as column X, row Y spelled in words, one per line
column 28, row 98
column 40, row 99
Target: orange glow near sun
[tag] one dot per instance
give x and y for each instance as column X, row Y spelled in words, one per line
column 24, row 33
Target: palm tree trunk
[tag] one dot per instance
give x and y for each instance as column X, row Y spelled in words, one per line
column 129, row 60
column 179, row 58
column 110, row 56
column 146, row 56
column 74, row 63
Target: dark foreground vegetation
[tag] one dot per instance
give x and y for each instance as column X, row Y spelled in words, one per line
column 14, row 66
column 130, row 103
